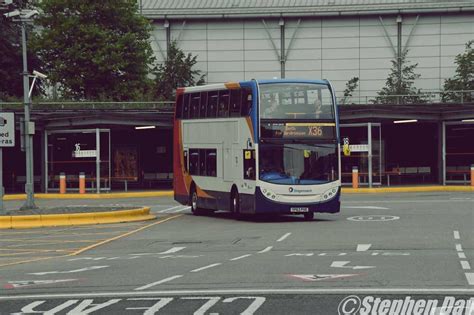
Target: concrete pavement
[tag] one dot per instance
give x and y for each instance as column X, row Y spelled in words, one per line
column 389, row 245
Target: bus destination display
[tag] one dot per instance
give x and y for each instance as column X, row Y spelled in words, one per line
column 280, row 130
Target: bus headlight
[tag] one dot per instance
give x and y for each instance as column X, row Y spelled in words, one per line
column 268, row 193
column 328, row 194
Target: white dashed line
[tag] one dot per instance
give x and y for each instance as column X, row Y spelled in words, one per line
column 470, row 277
column 172, row 250
column 240, row 257
column 206, row 267
column 283, row 237
column 465, row 265
column 363, row 247
column 459, row 247
column 158, row 282
column 267, row 249
column 456, row 235
column 462, row 255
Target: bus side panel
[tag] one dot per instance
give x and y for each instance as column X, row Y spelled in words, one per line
column 264, row 205
column 181, row 189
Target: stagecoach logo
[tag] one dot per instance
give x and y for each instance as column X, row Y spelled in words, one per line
column 295, row 190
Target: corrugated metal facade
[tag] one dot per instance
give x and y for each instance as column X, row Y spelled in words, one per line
column 336, row 48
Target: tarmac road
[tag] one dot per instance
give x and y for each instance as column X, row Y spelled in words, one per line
column 417, row 248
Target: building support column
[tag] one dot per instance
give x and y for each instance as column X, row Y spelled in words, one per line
column 443, row 153
column 281, row 22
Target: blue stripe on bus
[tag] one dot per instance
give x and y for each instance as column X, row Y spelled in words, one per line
column 254, row 112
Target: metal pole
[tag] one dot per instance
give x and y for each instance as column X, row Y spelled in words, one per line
column 2, row 209
column 29, row 188
column 97, row 159
column 369, row 155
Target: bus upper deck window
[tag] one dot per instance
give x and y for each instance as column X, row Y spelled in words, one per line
column 246, row 102
column 212, row 105
column 186, row 106
column 235, row 101
column 223, row 107
column 179, row 106
column 194, row 112
column 203, row 106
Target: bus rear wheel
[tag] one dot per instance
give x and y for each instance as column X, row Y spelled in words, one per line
column 193, row 201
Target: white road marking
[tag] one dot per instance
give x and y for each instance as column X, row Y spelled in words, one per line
column 168, row 209
column 348, row 290
column 470, row 277
column 342, row 264
column 284, row 237
column 465, row 265
column 162, row 302
column 462, row 255
column 323, row 277
column 171, row 250
column 456, row 235
column 365, row 207
column 459, row 247
column 240, row 257
column 158, row 282
column 179, row 210
column 258, row 301
column 206, row 267
column 373, row 218
column 395, row 254
column 68, row 271
column 332, row 254
column 300, row 254
column 363, row 247
column 211, row 301
column 267, row 249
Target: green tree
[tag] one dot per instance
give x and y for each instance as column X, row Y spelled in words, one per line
column 463, row 80
column 95, row 50
column 399, row 87
column 176, row 71
column 11, row 60
column 351, row 86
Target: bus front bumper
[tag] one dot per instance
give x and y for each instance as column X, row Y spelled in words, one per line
column 265, row 206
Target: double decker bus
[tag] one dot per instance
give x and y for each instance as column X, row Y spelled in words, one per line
column 258, row 147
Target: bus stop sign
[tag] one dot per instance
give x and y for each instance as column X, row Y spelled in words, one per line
column 7, row 130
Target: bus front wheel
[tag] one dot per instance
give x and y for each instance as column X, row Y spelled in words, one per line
column 235, row 204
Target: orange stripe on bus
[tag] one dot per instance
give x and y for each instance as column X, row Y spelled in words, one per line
column 232, row 85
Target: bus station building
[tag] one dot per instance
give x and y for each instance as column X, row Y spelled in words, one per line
column 394, row 141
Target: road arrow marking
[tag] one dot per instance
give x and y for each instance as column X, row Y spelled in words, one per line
column 323, row 277
column 342, row 264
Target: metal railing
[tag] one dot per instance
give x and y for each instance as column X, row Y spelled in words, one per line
column 68, row 105
column 425, row 97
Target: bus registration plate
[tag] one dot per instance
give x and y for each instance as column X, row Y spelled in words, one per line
column 299, row 209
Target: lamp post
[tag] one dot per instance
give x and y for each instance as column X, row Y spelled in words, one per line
column 24, row 16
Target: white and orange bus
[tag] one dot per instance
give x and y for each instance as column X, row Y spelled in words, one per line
column 257, row 147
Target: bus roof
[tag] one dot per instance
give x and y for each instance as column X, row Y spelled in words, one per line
column 231, row 85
